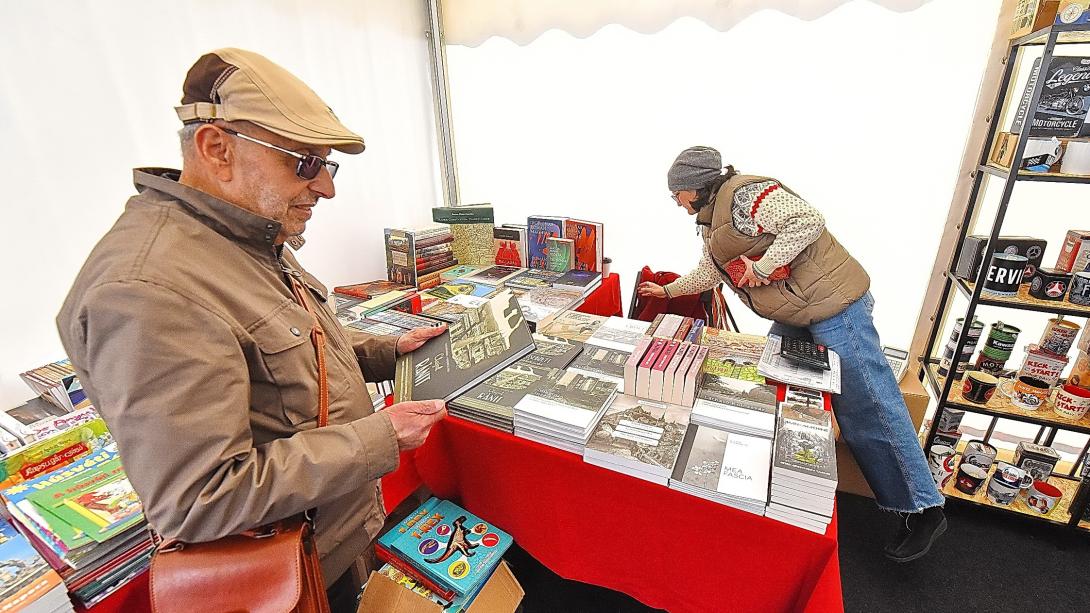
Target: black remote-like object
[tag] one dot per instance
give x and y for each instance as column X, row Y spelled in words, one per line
column 805, row 353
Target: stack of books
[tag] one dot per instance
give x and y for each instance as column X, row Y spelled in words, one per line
column 601, row 362
column 561, row 410
column 736, row 405
column 619, row 333
column 581, row 281
column 575, row 326
column 724, row 467
column 493, row 276
column 676, row 327
column 86, row 520
column 58, row 384
column 28, row 584
column 418, row 257
column 638, row 438
column 580, row 241
column 542, row 305
column 452, row 309
column 665, row 370
column 530, row 278
column 804, row 476
column 36, row 419
column 446, row 550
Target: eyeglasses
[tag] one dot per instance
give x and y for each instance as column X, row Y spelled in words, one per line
column 309, row 164
column 674, row 196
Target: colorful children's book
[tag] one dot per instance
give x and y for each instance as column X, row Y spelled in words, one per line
column 451, row 546
column 27, row 582
column 53, row 452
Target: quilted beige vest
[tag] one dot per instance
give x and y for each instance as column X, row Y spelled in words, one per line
column 824, row 280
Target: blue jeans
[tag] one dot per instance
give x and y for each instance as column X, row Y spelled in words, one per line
column 870, row 410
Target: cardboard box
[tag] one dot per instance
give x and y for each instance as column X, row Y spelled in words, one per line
column 1075, row 251
column 1033, row 15
column 849, row 477
column 500, row 594
column 1003, row 149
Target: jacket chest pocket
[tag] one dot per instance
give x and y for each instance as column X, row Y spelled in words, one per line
column 290, row 364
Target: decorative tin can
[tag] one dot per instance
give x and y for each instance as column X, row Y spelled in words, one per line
column 979, row 453
column 1042, row 365
column 1049, row 284
column 950, row 421
column 1080, row 372
column 941, row 460
column 1059, row 336
column 1079, row 293
column 975, row 330
column 1005, row 274
column 1002, row 337
column 950, row 439
column 1037, row 460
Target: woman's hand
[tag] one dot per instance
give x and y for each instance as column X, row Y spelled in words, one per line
column 648, row 289
column 751, row 278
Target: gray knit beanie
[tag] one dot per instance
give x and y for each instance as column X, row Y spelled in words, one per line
column 694, row 168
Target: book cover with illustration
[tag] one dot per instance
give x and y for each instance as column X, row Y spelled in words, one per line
column 25, row 578
column 454, row 309
column 510, row 245
column 457, row 605
column 400, row 256
column 449, row 545
column 619, row 333
column 579, row 280
column 640, row 435
column 732, row 465
column 738, row 367
column 459, row 271
column 741, row 347
column 601, row 362
column 54, row 452
column 561, row 254
column 497, row 395
column 99, row 502
column 493, row 275
column 471, row 227
column 484, row 341
column 460, row 287
column 538, row 231
column 533, row 279
column 552, row 352
column 575, row 326
column 805, row 448
column 737, row 392
column 587, row 236
column 367, row 291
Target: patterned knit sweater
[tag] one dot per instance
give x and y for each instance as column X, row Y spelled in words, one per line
column 760, row 208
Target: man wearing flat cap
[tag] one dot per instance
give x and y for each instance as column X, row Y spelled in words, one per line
column 200, row 339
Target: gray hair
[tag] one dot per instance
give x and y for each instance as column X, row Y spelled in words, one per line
column 185, row 136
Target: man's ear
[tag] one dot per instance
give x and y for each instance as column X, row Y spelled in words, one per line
column 214, row 151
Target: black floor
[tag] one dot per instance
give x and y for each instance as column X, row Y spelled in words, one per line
column 987, row 562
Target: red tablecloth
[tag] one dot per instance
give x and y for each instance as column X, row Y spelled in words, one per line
column 667, row 549
column 606, row 300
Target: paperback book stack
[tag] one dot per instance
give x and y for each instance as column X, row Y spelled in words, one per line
column 418, row 257
column 575, row 326
column 86, row 520
column 445, row 550
column 57, row 383
column 28, row 584
column 492, row 402
column 542, row 305
column 724, row 467
column 639, row 438
column 676, row 327
column 471, row 228
column 804, row 474
column 36, row 419
column 666, row 370
column 733, row 397
column 562, row 409
column 581, row 281
column 532, row 279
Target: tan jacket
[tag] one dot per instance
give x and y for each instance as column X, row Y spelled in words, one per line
column 186, row 337
column 824, row 279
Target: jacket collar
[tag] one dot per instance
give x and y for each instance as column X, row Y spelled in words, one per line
column 228, row 219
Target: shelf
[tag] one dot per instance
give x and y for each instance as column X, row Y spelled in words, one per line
column 1023, row 301
column 1046, row 177
column 1060, row 515
column 1001, row 406
column 1084, row 525
column 1068, row 35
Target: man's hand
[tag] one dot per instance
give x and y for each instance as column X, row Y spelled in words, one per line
column 413, row 420
column 648, row 289
column 751, row 278
column 415, row 338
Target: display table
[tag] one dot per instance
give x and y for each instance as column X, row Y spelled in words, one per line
column 665, row 548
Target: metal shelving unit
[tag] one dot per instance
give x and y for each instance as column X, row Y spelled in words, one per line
column 947, row 395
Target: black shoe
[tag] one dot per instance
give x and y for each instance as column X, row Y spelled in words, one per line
column 916, row 535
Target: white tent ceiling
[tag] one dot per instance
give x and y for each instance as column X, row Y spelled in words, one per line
column 471, row 22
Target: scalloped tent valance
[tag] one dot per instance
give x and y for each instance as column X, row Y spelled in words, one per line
column 471, row 22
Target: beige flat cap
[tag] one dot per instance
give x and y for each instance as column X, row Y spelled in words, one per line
column 240, row 85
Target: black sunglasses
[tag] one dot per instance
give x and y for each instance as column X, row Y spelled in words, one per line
column 309, row 164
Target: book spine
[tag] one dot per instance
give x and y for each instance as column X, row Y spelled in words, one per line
column 643, row 373
column 633, row 363
column 393, row 560
column 677, row 392
column 655, row 323
column 435, row 240
column 658, row 371
column 696, row 333
column 683, row 329
column 437, row 267
column 671, row 370
column 692, row 378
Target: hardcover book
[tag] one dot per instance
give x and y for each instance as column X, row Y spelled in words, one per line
column 733, row 367
column 533, row 279
column 641, row 436
column 403, row 320
column 459, row 271
column 739, row 346
column 510, row 245
column 552, row 352
column 400, row 256
column 692, row 378
column 494, row 399
column 575, row 326
column 738, row 393
column 485, row 341
column 451, row 546
column 681, row 374
column 493, row 275
column 543, row 304
column 658, row 370
column 587, row 237
column 632, row 364
column 805, row 448
column 28, row 583
column 579, row 281
column 462, row 287
column 539, row 229
column 454, row 309
column 601, row 362
column 560, row 253
column 471, row 227
column 619, row 333
column 367, row 291
column 643, row 371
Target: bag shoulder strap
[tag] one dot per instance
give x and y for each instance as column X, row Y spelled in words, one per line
column 317, row 338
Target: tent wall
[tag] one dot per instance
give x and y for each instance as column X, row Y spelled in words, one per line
column 87, row 91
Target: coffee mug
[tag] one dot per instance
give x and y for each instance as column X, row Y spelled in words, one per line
column 941, row 460
column 1000, row 492
column 1071, row 401
column 1049, row 284
column 970, row 478
column 1009, row 474
column 979, row 453
column 1079, row 292
column 978, row 387
column 1043, row 497
column 1029, row 393
column 1005, row 273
